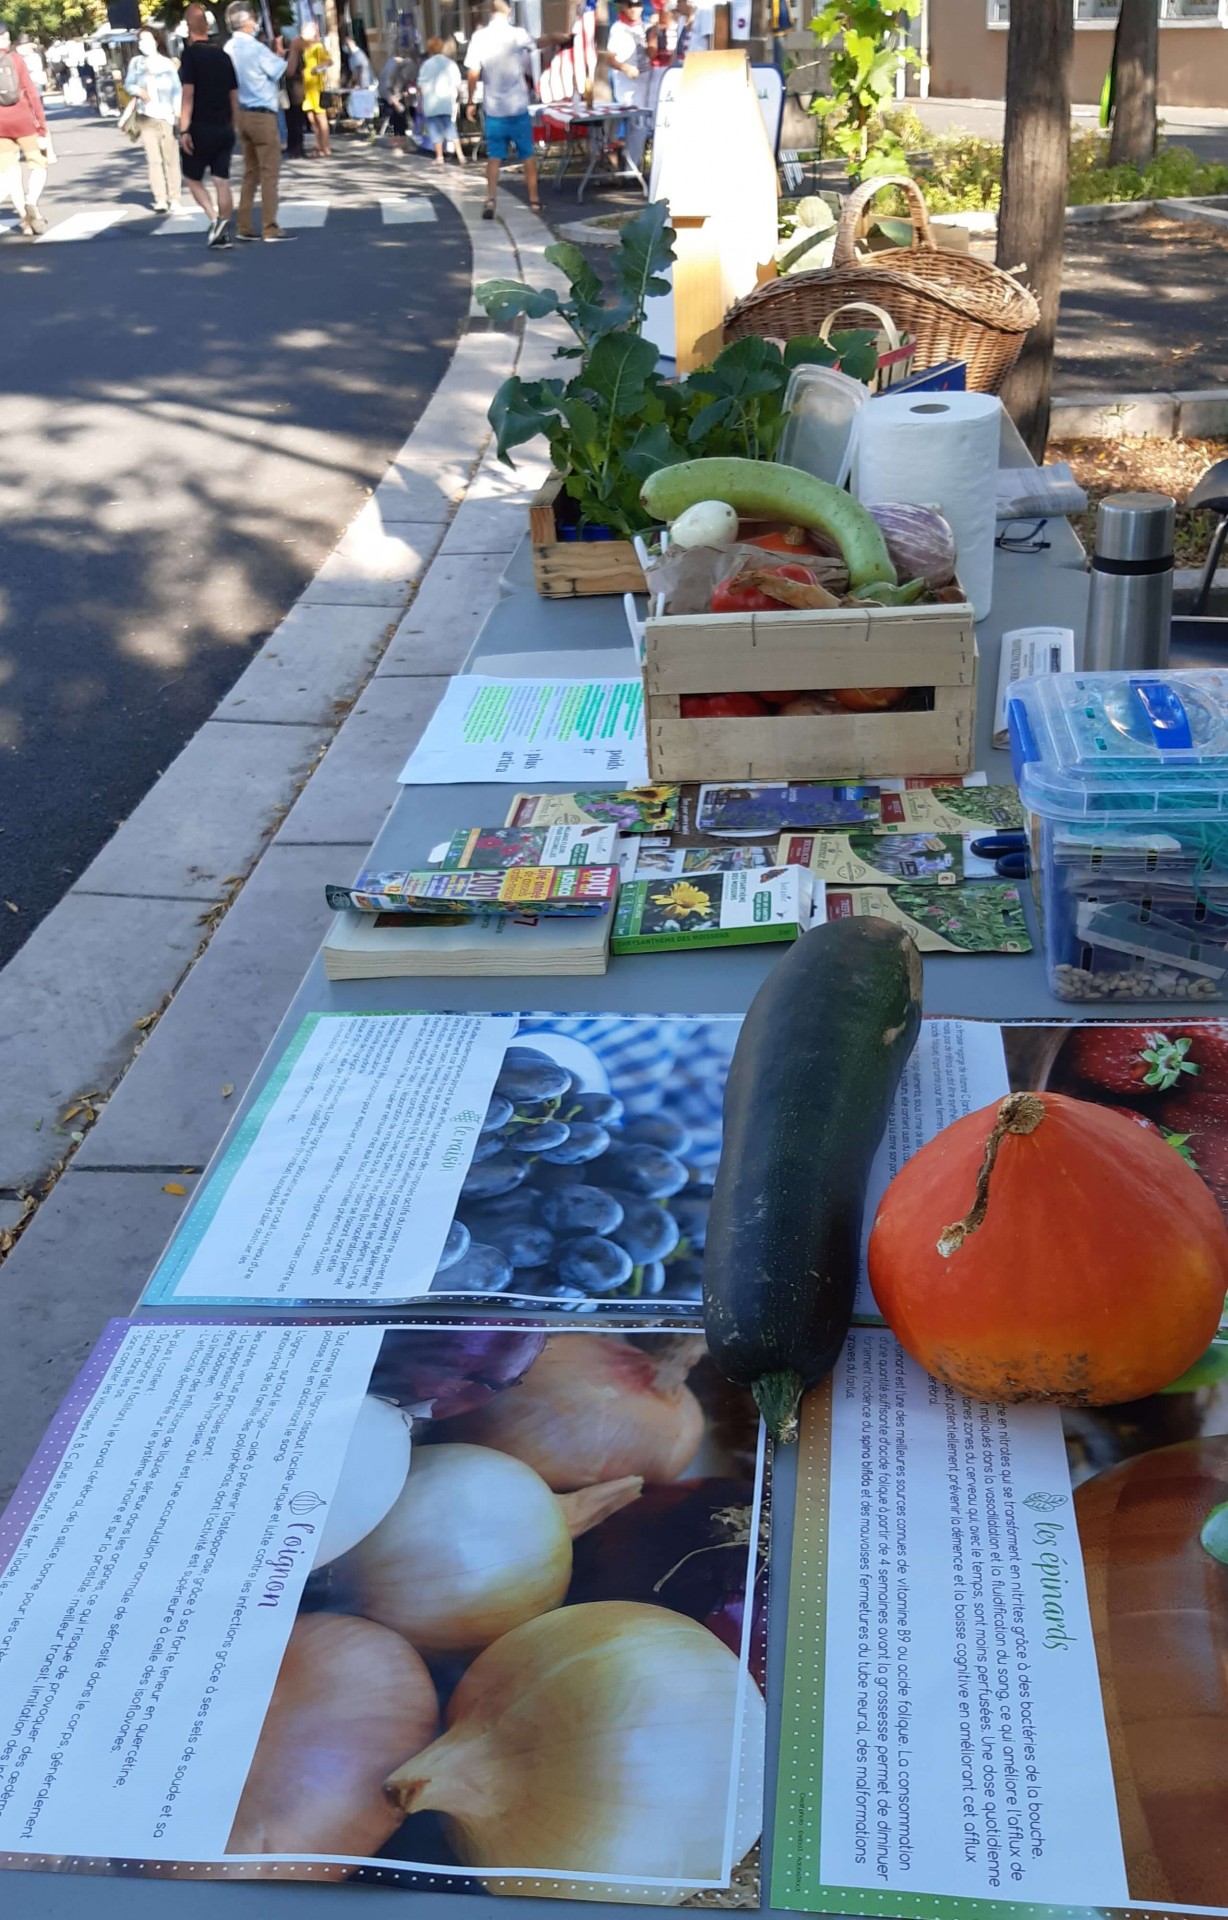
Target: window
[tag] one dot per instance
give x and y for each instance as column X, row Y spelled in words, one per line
column 1103, row 13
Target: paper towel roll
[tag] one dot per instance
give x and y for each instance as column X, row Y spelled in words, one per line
column 938, row 450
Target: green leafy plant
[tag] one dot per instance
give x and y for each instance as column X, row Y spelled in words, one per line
column 865, row 39
column 963, row 174
column 617, row 420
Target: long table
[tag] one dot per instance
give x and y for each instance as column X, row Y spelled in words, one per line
column 1047, row 587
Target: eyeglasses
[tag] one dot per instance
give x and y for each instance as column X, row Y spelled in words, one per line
column 1022, row 536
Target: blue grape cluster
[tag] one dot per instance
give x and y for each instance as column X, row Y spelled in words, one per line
column 567, row 1200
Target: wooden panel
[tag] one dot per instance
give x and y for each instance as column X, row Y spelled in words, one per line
column 779, row 747
column 883, row 647
column 563, row 569
column 582, row 567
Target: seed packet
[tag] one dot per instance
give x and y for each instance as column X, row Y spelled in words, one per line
column 495, row 848
column 953, row 809
column 773, row 806
column 980, row 917
column 877, row 859
column 627, row 809
column 543, row 890
column 712, row 910
column 725, row 856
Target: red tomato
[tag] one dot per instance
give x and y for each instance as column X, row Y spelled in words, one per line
column 869, row 699
column 732, row 598
column 720, row 706
column 779, row 698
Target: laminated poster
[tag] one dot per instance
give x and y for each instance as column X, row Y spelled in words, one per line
column 397, row 1157
column 487, row 729
column 292, row 1601
column 393, row 1156
column 1005, row 1687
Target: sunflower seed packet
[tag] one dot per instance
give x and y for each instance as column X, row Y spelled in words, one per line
column 712, row 909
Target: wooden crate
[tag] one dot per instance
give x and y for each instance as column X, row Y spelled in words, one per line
column 932, row 647
column 564, row 568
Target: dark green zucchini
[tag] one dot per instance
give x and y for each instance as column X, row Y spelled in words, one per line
column 810, row 1088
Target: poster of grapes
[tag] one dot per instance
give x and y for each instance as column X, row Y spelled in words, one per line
column 561, row 1160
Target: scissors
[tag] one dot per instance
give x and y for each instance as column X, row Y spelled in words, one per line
column 1008, row 851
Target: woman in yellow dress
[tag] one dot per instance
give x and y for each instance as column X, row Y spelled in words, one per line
column 314, row 64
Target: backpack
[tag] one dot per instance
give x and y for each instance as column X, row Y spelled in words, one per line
column 10, row 84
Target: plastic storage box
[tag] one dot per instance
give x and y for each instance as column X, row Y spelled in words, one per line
column 1124, row 777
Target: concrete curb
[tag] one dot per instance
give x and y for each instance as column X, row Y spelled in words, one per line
column 271, row 773
column 1200, row 413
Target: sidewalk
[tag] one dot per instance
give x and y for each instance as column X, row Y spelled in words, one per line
column 154, row 987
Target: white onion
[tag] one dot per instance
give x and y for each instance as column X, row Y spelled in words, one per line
column 372, row 1475
column 351, row 1701
column 598, row 1739
column 474, row 1544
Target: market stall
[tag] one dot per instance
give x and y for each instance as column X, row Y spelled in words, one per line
column 408, row 1536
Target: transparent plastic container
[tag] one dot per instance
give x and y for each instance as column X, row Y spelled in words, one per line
column 1124, row 777
column 821, row 408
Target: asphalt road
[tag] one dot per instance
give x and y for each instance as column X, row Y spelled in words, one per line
column 183, row 437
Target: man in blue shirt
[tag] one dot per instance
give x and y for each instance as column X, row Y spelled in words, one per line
column 259, row 73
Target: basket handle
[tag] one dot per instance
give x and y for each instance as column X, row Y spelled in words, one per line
column 894, row 337
column 857, row 202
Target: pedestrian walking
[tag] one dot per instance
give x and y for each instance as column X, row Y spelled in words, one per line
column 396, row 82
column 499, row 55
column 151, row 80
column 627, row 52
column 315, row 64
column 357, row 66
column 440, row 86
column 207, row 117
column 292, row 81
column 258, row 71
column 24, row 139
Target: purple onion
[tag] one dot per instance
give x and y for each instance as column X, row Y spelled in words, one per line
column 452, row 1370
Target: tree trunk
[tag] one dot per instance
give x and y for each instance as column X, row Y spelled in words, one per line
column 1035, row 157
column 1134, row 109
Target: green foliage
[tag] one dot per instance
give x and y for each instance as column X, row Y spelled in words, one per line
column 48, row 20
column 866, row 55
column 964, row 173
column 616, row 421
column 1171, row 173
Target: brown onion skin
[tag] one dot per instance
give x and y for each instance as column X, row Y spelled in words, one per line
column 352, row 1701
column 592, row 1409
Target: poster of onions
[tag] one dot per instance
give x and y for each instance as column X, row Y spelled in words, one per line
column 470, row 1607
column 549, row 1623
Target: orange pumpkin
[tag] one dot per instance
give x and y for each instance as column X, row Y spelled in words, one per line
column 1048, row 1249
column 1159, row 1605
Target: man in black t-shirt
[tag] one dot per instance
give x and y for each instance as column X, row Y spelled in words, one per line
column 207, row 121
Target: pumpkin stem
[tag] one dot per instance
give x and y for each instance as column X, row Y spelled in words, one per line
column 778, row 1396
column 1018, row 1113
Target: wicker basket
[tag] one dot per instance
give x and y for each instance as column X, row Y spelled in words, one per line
column 959, row 308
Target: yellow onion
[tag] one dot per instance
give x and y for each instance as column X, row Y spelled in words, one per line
column 351, row 1700
column 594, row 1406
column 598, row 1739
column 475, row 1544
column 372, row 1475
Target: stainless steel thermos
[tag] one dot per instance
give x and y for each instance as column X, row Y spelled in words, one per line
column 1130, row 605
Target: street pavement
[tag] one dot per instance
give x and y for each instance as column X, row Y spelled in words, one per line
column 185, row 433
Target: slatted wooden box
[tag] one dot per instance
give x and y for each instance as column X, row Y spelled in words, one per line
column 933, row 648
column 565, row 568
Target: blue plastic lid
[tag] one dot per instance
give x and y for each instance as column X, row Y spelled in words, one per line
column 1094, row 745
